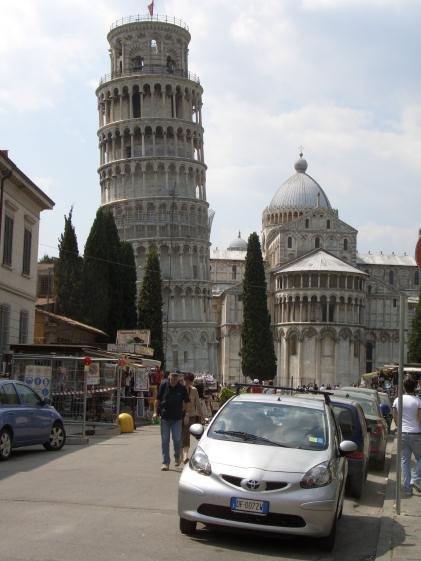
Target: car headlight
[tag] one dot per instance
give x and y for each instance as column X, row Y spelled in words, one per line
column 317, row 476
column 200, row 462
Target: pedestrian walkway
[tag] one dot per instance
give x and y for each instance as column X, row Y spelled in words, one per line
column 400, row 536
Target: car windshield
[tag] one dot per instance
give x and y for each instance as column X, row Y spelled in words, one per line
column 270, row 424
column 369, row 406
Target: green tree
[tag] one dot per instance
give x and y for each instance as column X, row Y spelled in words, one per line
column 125, row 287
column 257, row 352
column 100, row 266
column 68, row 272
column 150, row 304
column 414, row 350
column 47, row 258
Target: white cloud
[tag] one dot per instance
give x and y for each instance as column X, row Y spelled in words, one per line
column 337, row 76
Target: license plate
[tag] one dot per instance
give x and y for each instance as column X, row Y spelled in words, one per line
column 249, row 505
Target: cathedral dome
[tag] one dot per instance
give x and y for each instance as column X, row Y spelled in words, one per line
column 238, row 244
column 299, row 192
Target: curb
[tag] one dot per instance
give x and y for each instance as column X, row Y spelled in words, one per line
column 384, row 551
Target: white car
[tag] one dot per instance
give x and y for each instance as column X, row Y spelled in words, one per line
column 272, row 463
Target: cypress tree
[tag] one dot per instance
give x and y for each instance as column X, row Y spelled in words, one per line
column 99, row 274
column 414, row 350
column 68, row 272
column 126, row 287
column 257, row 351
column 150, row 304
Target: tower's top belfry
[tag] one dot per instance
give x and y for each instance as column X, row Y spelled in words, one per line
column 153, row 46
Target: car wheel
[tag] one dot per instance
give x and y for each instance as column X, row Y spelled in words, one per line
column 187, row 526
column 328, row 542
column 356, row 486
column 57, row 437
column 5, row 444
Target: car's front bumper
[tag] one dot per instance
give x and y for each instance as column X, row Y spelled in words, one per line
column 292, row 510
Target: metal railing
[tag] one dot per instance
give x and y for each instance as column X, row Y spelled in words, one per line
column 146, row 17
column 150, row 69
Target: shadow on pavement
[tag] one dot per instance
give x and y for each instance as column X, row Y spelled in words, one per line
column 27, row 458
column 356, row 541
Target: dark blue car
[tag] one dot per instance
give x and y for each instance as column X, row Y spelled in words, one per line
column 350, row 417
column 26, row 419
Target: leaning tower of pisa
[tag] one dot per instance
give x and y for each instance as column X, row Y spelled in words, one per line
column 153, row 174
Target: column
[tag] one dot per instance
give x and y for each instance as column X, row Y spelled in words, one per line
column 130, row 113
column 112, row 110
column 131, row 144
column 176, row 143
column 121, row 107
column 165, row 144
column 153, row 143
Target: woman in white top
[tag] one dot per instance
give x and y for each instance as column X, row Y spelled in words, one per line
column 411, row 436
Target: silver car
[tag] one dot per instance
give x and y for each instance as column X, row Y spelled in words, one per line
column 272, row 463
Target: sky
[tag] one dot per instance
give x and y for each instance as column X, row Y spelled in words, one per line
column 339, row 77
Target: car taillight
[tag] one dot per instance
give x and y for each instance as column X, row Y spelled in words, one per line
column 355, row 455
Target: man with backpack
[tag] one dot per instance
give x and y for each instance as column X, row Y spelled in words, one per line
column 170, row 405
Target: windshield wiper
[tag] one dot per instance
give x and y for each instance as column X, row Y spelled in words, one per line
column 246, row 436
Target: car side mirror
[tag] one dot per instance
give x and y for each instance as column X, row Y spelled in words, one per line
column 347, row 446
column 197, row 430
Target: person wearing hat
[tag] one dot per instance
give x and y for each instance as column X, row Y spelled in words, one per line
column 170, row 404
column 193, row 413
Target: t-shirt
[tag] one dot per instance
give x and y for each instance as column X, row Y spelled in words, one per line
column 410, row 408
column 171, row 400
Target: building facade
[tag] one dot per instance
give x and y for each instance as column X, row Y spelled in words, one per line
column 21, row 203
column 335, row 313
column 153, row 175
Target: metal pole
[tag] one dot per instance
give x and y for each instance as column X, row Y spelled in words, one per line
column 172, row 194
column 118, row 400
column 85, row 391
column 402, row 314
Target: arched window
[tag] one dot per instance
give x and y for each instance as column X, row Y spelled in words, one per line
column 328, row 224
column 289, row 243
column 345, row 244
column 317, row 242
column 234, row 272
column 391, row 277
column 417, row 277
column 307, row 223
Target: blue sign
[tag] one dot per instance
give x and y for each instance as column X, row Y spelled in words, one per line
column 46, row 382
column 29, row 380
column 37, row 381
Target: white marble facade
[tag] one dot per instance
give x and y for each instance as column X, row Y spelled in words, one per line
column 335, row 313
column 153, row 175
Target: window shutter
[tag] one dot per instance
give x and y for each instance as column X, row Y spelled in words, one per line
column 8, row 240
column 4, row 327
column 27, row 242
column 23, row 327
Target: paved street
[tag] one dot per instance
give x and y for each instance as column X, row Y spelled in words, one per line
column 109, row 501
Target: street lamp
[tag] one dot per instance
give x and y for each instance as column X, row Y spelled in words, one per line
column 171, row 192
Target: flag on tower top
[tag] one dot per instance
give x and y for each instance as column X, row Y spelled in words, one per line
column 150, row 8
